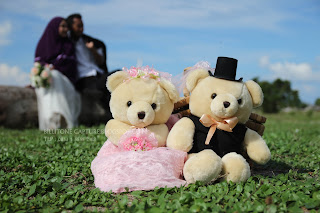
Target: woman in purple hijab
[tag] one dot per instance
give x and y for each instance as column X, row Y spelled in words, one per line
column 59, row 104
column 55, row 48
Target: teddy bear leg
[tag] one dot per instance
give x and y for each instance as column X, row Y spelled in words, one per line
column 204, row 166
column 235, row 168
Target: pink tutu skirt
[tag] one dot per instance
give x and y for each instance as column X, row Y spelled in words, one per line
column 116, row 170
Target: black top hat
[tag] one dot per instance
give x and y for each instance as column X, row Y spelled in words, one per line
column 226, row 68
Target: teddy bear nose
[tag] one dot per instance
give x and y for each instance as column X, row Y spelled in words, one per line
column 226, row 104
column 141, row 115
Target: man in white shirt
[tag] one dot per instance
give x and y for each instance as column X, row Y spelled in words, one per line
column 90, row 53
column 91, row 60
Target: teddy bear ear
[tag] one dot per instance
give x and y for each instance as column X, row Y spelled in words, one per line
column 194, row 77
column 255, row 92
column 114, row 80
column 170, row 89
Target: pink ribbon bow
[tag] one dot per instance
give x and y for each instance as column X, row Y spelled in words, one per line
column 226, row 125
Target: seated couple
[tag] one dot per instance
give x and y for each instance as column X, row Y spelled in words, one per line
column 79, row 65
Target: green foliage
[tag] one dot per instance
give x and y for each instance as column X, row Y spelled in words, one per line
column 50, row 172
column 279, row 94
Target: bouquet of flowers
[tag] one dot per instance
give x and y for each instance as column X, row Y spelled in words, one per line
column 40, row 75
column 139, row 139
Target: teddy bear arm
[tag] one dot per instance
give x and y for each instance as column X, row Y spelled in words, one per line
column 115, row 129
column 256, row 147
column 161, row 132
column 181, row 135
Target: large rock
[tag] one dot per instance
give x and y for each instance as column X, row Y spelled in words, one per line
column 18, row 108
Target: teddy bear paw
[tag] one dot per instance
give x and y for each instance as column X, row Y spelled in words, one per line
column 204, row 166
column 235, row 168
column 261, row 154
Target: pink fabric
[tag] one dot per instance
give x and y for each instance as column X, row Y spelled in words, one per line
column 115, row 169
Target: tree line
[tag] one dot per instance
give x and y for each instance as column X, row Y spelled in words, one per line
column 279, row 94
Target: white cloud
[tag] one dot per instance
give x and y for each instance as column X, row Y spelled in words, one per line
column 308, row 91
column 5, row 30
column 118, row 58
column 44, row 9
column 186, row 14
column 13, row 76
column 306, row 88
column 166, row 13
column 264, row 61
column 290, row 70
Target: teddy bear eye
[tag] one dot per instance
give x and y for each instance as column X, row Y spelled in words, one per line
column 154, row 106
column 239, row 101
column 129, row 103
column 214, row 95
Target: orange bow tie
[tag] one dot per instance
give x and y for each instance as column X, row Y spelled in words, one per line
column 226, row 125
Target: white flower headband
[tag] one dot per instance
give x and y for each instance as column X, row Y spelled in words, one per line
column 146, row 72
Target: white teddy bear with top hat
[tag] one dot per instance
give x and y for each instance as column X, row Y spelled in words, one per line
column 215, row 134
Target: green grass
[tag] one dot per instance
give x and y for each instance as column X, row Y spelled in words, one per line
column 46, row 172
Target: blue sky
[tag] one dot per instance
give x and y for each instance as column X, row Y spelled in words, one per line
column 271, row 39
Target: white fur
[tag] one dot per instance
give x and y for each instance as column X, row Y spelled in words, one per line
column 255, row 92
column 205, row 165
column 218, row 109
column 115, row 79
column 181, row 135
column 256, row 147
column 140, row 107
column 194, row 78
column 141, row 94
column 235, row 168
column 170, row 89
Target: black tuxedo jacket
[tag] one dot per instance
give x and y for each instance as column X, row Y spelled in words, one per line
column 222, row 142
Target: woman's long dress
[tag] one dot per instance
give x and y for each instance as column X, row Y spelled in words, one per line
column 59, row 105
